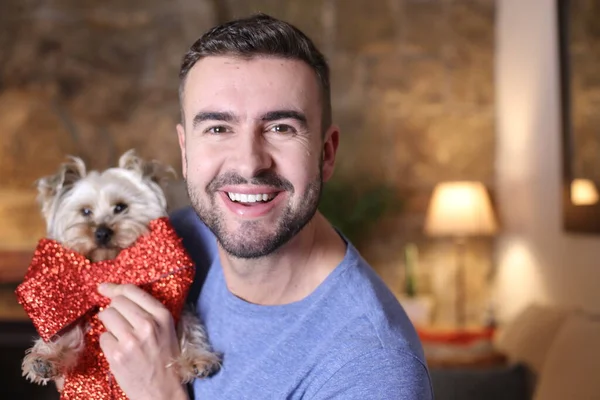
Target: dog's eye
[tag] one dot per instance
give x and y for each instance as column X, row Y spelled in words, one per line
column 86, row 212
column 120, row 207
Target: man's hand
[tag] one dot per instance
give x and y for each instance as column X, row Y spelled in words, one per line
column 139, row 344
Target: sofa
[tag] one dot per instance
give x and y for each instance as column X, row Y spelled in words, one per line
column 552, row 354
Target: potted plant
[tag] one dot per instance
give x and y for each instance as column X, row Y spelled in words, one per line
column 354, row 206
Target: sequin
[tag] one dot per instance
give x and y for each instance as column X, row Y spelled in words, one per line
column 60, row 288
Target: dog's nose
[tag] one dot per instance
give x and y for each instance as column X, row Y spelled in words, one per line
column 103, row 235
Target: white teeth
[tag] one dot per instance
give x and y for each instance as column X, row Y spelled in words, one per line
column 250, row 198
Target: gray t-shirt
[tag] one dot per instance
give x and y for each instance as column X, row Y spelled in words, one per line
column 349, row 339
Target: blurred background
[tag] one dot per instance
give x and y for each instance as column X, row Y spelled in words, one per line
column 467, row 169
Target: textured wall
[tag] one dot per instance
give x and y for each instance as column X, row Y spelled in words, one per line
column 412, row 91
column 76, row 78
column 584, row 53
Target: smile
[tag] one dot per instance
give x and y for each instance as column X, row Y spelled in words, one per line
column 252, row 205
column 251, row 198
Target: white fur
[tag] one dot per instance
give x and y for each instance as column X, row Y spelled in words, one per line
column 100, row 191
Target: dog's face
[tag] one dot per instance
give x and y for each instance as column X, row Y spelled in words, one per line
column 98, row 214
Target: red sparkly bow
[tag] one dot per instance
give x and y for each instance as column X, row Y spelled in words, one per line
column 60, row 287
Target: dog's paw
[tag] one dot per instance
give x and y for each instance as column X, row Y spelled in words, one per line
column 205, row 368
column 46, row 361
column 44, row 368
column 198, row 365
column 39, row 370
column 197, row 359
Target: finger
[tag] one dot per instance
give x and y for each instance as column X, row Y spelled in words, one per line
column 108, row 344
column 133, row 293
column 116, row 323
column 132, row 312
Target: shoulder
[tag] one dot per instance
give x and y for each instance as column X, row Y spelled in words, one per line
column 186, row 222
column 373, row 309
column 382, row 373
column 372, row 345
column 199, row 242
column 194, row 233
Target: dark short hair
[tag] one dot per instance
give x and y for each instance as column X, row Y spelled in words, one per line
column 262, row 35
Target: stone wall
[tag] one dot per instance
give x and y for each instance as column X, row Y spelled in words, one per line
column 584, row 86
column 412, row 91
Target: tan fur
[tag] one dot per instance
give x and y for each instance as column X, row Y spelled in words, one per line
column 196, row 358
column 138, row 185
column 58, row 356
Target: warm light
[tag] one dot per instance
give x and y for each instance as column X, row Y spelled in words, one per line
column 583, row 192
column 460, row 209
column 520, row 278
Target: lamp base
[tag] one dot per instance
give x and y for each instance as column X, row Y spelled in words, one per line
column 460, row 305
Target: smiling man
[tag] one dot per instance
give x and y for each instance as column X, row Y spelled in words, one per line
column 288, row 301
column 251, row 161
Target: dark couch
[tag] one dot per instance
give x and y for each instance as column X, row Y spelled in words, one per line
column 511, row 382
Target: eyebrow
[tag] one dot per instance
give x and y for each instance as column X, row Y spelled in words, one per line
column 277, row 115
column 285, row 114
column 212, row 116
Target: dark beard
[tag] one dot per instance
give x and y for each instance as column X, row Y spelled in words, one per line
column 250, row 241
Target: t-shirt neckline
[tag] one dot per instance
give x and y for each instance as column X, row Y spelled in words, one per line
column 237, row 304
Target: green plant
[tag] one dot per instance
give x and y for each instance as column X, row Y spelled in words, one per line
column 356, row 206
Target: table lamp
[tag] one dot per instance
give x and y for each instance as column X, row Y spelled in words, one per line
column 460, row 210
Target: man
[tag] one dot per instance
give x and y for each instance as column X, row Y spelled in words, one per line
column 291, row 305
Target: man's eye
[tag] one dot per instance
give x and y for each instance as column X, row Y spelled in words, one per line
column 217, row 130
column 281, row 128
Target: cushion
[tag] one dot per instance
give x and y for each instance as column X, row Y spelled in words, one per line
column 573, row 363
column 528, row 337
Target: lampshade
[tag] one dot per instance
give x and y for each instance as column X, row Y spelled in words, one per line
column 460, row 209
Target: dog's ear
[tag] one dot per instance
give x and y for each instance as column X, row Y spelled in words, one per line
column 69, row 172
column 152, row 170
column 131, row 161
column 160, row 173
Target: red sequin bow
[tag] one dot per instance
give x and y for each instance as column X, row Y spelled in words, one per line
column 60, row 288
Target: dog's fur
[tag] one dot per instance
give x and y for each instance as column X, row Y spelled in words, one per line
column 98, row 214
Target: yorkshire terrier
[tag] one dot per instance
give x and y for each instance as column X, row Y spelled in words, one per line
column 98, row 214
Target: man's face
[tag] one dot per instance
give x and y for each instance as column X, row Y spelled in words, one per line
column 253, row 153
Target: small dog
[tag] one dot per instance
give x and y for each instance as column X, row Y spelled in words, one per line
column 98, row 214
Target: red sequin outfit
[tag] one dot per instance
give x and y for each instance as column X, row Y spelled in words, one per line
column 60, row 287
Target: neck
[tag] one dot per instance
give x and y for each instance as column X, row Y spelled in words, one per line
column 292, row 272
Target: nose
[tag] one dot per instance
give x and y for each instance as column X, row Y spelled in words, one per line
column 103, row 235
column 252, row 155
